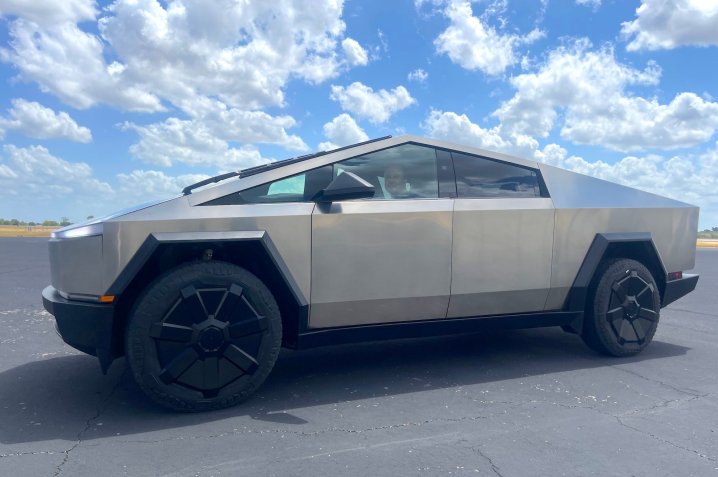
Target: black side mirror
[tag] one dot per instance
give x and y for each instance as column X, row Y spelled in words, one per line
column 346, row 186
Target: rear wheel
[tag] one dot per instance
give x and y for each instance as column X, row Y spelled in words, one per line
column 203, row 336
column 623, row 309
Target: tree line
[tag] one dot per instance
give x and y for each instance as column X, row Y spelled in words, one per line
column 64, row 221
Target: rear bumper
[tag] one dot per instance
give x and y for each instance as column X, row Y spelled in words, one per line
column 87, row 327
column 675, row 289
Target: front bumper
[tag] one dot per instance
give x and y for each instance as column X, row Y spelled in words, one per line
column 87, row 327
column 675, row 289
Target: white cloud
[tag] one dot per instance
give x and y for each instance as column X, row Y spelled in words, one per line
column 457, row 128
column 36, row 121
column 667, row 24
column 255, row 126
column 68, row 62
column 204, row 139
column 342, row 131
column 475, row 46
column 6, row 172
column 635, row 123
column 377, row 106
column 354, row 52
column 189, row 142
column 595, row 4
column 49, row 12
column 590, row 89
column 34, row 179
column 418, row 75
column 233, row 124
column 141, row 186
column 242, row 53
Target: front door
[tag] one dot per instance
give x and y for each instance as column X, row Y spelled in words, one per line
column 388, row 258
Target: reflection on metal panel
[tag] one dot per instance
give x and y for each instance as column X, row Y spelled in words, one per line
column 76, row 265
column 586, row 206
column 378, row 261
column 377, row 311
column 287, row 225
column 501, row 256
column 673, row 231
column 573, row 190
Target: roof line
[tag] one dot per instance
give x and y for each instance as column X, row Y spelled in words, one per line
column 274, row 165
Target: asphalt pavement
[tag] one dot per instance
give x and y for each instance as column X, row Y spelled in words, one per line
column 519, row 403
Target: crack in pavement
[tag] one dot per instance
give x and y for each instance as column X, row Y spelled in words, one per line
column 101, row 406
column 19, row 454
column 665, row 441
column 618, row 418
column 236, row 432
column 494, row 468
column 690, row 392
column 665, row 403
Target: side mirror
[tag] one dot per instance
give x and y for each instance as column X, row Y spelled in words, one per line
column 346, row 186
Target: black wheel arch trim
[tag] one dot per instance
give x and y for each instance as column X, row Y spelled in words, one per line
column 154, row 240
column 125, row 282
column 597, row 251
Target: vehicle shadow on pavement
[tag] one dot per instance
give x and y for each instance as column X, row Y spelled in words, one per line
column 68, row 398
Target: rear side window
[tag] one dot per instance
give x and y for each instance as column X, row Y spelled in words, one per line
column 481, row 177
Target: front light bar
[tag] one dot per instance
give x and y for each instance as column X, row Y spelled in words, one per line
column 81, row 231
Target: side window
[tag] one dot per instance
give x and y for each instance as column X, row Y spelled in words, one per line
column 299, row 188
column 408, row 171
column 402, row 172
column 482, row 177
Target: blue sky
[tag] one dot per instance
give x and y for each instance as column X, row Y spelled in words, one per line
column 106, row 104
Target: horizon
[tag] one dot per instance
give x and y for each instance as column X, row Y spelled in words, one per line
column 113, row 103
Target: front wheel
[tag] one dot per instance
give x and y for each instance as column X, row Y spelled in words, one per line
column 203, row 336
column 623, row 309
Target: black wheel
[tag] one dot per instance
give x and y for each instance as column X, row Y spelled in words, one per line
column 623, row 308
column 203, row 336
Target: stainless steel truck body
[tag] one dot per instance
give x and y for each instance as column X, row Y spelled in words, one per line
column 391, row 238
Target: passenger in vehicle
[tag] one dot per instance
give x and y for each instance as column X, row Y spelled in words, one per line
column 395, row 183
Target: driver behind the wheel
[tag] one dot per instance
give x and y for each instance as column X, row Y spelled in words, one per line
column 395, row 183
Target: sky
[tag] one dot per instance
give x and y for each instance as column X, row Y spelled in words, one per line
column 112, row 103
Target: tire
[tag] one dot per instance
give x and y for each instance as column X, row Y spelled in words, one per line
column 203, row 336
column 623, row 308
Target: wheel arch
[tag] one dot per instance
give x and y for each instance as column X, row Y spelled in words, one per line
column 638, row 246
column 252, row 250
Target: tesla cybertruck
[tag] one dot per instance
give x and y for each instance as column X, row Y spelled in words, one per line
column 390, row 238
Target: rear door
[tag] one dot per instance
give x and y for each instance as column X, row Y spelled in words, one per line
column 385, row 259
column 503, row 238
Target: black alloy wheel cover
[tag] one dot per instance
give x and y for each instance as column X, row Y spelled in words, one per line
column 630, row 310
column 209, row 338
